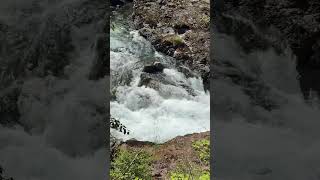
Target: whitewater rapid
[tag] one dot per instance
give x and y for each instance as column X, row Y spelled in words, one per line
column 254, row 142
column 61, row 132
column 149, row 114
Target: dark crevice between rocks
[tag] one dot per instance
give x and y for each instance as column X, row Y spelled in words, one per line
column 119, row 3
column 181, row 29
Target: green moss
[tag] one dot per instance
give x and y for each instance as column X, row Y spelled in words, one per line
column 175, row 40
column 131, row 164
column 204, row 21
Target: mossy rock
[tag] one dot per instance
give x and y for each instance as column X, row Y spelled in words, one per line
column 175, row 40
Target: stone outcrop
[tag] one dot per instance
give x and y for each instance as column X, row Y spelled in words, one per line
column 157, row 80
column 156, row 67
column 178, row 28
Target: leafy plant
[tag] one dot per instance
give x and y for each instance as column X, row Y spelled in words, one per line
column 131, row 164
column 180, row 176
column 117, row 125
column 202, row 147
column 187, row 170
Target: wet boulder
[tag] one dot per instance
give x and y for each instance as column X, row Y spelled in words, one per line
column 155, row 68
column 186, row 71
column 153, row 80
column 159, row 81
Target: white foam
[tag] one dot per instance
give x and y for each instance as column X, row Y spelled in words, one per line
column 162, row 114
column 284, row 139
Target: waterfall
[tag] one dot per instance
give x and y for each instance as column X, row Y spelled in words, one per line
column 153, row 114
column 264, row 127
column 61, row 128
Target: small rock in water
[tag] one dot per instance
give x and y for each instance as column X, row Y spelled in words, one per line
column 186, row 71
column 156, row 67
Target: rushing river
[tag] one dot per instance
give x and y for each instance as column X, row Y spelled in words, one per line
column 149, row 114
column 264, row 127
column 60, row 134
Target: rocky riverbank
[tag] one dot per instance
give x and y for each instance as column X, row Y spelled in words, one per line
column 169, row 155
column 179, row 29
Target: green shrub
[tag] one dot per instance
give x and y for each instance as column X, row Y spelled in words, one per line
column 189, row 171
column 179, row 176
column 131, row 165
column 186, row 170
column 202, row 147
column 205, row 176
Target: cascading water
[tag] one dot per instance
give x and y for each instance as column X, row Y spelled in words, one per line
column 152, row 114
column 264, row 126
column 61, row 129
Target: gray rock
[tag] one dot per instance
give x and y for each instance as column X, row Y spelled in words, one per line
column 156, row 67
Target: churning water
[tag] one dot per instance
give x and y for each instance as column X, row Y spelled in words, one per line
column 150, row 114
column 263, row 126
column 61, row 133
